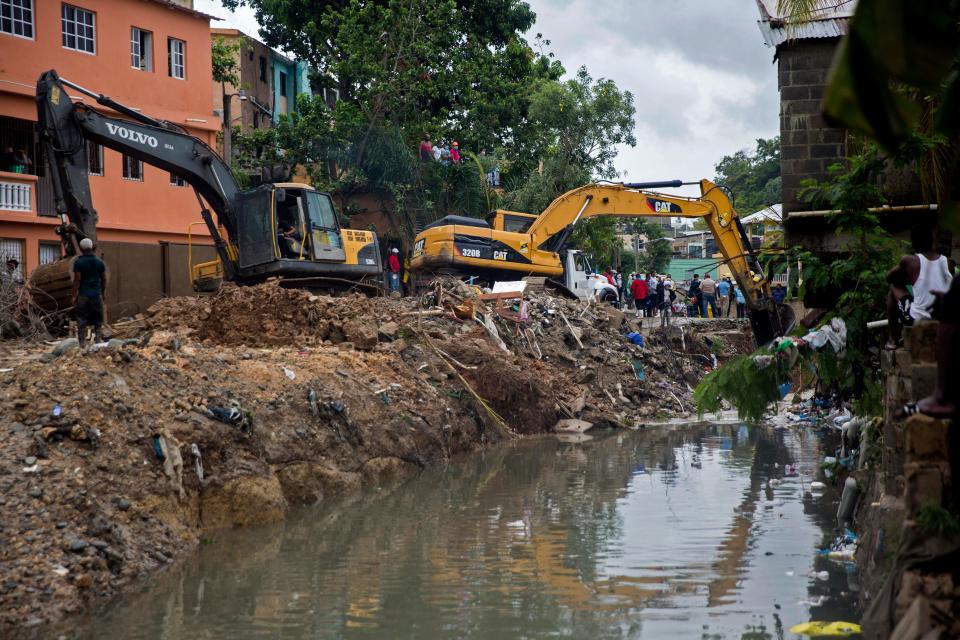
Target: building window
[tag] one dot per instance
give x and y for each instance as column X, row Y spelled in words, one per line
column 141, row 49
column 94, row 159
column 177, row 181
column 256, row 119
column 16, row 17
column 177, row 58
column 78, row 27
column 12, row 249
column 283, row 83
column 132, row 168
column 263, row 69
column 49, row 252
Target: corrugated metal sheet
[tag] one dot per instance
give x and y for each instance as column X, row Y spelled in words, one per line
column 774, row 36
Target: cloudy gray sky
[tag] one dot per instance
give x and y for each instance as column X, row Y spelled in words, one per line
column 703, row 82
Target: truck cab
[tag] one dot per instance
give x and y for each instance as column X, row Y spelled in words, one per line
column 581, row 279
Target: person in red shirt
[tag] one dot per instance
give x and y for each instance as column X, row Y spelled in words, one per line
column 393, row 269
column 426, row 149
column 455, row 152
column 639, row 290
column 608, row 274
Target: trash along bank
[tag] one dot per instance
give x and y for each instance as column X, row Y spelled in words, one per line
column 891, row 471
column 209, row 413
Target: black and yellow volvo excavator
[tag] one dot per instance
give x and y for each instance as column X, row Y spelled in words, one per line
column 510, row 245
column 320, row 254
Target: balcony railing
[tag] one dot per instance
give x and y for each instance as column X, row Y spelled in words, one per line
column 18, row 192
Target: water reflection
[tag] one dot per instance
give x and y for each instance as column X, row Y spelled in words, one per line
column 673, row 532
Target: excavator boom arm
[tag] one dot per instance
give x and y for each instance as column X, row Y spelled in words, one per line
column 66, row 127
column 553, row 227
column 479, row 247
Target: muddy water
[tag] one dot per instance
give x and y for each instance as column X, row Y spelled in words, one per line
column 671, row 532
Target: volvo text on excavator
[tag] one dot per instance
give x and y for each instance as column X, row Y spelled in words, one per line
column 510, row 245
column 285, row 230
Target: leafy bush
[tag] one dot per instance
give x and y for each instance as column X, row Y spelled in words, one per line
column 742, row 383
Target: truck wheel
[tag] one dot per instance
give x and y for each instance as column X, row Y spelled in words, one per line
column 609, row 297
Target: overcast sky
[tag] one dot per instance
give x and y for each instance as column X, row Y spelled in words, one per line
column 703, row 82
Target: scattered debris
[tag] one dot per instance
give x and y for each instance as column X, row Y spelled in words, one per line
column 413, row 380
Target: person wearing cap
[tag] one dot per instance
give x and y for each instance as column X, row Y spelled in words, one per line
column 89, row 283
column 455, row 152
column 393, row 268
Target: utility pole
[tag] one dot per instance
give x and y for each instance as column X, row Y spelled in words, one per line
column 227, row 125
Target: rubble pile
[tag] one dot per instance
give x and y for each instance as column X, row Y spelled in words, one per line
column 228, row 410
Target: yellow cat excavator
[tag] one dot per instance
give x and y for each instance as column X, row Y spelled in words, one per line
column 509, row 245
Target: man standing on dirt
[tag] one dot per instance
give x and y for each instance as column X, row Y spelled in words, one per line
column 640, row 291
column 89, row 283
column 393, row 266
column 723, row 296
column 693, row 293
column 708, row 296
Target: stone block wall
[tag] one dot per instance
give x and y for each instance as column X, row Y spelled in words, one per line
column 808, row 146
column 918, row 456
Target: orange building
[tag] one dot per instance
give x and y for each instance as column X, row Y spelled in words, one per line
column 152, row 55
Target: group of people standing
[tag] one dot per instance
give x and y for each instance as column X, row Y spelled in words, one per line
column 719, row 298
column 440, row 152
column 653, row 295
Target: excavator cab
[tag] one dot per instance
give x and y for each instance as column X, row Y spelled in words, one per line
column 292, row 230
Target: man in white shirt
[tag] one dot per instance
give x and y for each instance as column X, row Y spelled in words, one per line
column 926, row 272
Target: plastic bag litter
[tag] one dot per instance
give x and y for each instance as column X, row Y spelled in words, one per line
column 822, row 628
column 843, row 548
column 232, row 415
column 834, row 333
column 167, row 450
column 762, row 362
column 635, row 338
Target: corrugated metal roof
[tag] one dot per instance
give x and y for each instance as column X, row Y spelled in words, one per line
column 775, row 36
column 829, row 21
column 773, row 213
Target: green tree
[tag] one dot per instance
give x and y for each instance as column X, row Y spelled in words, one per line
column 224, row 57
column 657, row 251
column 576, row 128
column 598, row 237
column 449, row 67
column 752, row 177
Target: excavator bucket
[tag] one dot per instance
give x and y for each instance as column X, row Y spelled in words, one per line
column 770, row 323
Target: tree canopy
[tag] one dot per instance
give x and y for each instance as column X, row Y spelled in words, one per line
column 753, row 177
column 446, row 69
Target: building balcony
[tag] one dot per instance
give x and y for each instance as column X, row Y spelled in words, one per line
column 18, row 192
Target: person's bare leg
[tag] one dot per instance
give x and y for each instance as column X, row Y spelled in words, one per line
column 942, row 402
column 894, row 326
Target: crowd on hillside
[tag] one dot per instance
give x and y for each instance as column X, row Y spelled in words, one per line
column 440, row 152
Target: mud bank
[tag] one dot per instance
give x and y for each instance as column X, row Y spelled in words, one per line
column 227, row 411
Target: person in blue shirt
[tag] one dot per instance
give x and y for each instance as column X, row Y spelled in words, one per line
column 779, row 294
column 741, row 302
column 89, row 283
column 723, row 296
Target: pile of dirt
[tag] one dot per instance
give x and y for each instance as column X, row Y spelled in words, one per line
column 227, row 410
